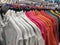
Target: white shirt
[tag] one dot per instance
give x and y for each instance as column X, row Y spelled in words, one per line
column 25, row 34
column 30, row 29
column 13, row 32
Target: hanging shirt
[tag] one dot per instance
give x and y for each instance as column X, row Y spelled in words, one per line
column 31, row 31
column 40, row 25
column 53, row 35
column 12, row 31
column 48, row 28
column 39, row 17
column 49, row 31
column 33, row 19
column 56, row 20
column 44, row 33
column 55, row 25
column 25, row 34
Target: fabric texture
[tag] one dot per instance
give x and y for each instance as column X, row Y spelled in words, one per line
column 31, row 16
column 31, row 27
column 12, row 32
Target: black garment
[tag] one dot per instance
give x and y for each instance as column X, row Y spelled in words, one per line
column 0, row 43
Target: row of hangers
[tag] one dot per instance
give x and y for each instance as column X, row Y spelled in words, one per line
column 41, row 6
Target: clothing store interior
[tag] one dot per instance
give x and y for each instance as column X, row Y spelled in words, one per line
column 29, row 22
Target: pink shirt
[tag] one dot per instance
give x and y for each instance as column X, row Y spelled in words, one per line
column 38, row 22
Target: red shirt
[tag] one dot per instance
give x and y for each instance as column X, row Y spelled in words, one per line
column 55, row 25
column 54, row 31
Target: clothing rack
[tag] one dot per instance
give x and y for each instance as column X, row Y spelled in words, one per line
column 24, row 9
column 4, row 9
